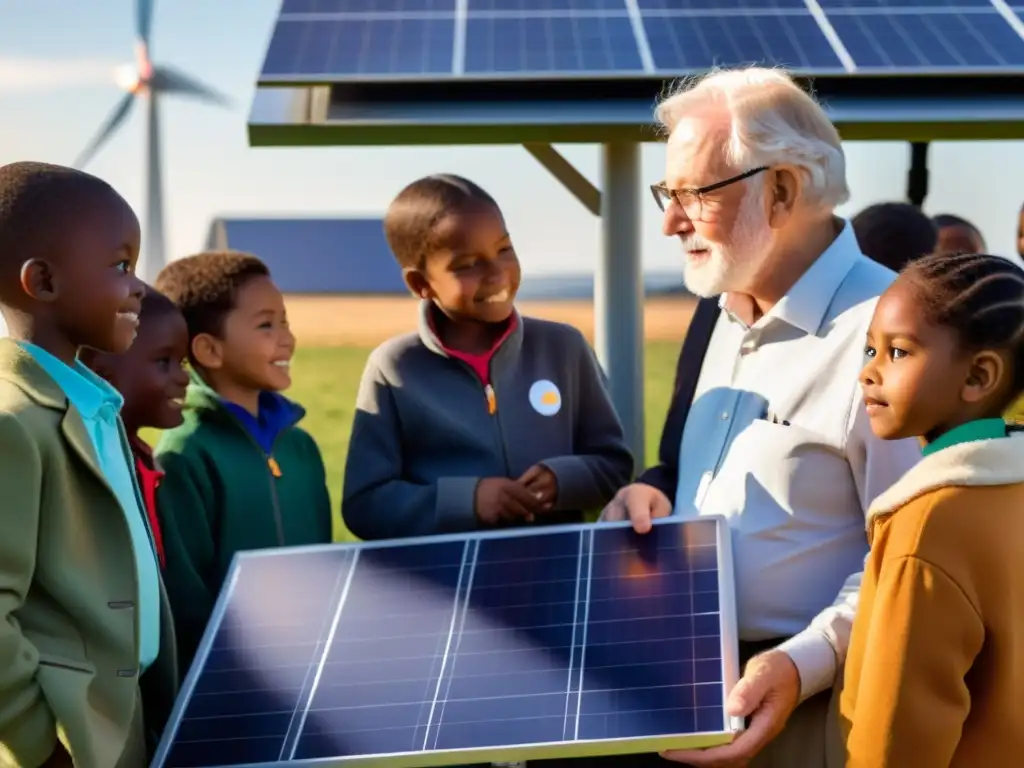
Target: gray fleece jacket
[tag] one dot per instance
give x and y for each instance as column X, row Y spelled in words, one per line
column 427, row 430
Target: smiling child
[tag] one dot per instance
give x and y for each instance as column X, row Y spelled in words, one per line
column 240, row 473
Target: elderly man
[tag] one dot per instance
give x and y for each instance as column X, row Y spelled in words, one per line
column 767, row 426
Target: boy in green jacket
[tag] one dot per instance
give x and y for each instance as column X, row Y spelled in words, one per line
column 239, row 473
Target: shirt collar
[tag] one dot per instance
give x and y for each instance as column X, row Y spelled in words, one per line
column 805, row 304
column 84, row 389
column 972, row 431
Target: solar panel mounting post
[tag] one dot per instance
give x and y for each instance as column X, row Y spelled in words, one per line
column 619, row 290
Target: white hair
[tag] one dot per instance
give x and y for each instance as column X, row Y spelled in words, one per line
column 773, row 121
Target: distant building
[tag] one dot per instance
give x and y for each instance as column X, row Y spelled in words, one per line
column 315, row 255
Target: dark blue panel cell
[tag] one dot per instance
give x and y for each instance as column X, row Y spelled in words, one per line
column 551, row 44
column 720, row 5
column 379, row 682
column 688, row 43
column 263, row 660
column 367, row 6
column 318, row 255
column 528, row 6
column 828, row 5
column 508, row 676
column 361, row 46
column 643, row 637
column 929, row 40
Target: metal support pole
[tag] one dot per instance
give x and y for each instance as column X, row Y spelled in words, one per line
column 917, row 176
column 619, row 289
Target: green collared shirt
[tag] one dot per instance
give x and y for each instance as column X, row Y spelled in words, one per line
column 981, row 429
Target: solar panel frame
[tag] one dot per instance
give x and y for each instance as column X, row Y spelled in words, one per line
column 728, row 641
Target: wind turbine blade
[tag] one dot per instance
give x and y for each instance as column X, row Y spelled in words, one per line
column 144, row 20
column 106, row 130
column 170, row 80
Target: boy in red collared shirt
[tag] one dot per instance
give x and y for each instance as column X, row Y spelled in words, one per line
column 152, row 381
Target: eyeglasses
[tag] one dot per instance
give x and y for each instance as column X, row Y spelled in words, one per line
column 692, row 200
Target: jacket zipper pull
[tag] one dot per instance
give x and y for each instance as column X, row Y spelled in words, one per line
column 492, row 400
column 275, row 468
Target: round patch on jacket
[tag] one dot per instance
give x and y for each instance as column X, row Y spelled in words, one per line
column 545, row 397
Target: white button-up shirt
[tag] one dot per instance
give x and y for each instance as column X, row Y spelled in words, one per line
column 778, row 441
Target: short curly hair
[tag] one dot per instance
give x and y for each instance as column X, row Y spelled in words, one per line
column 410, row 223
column 38, row 202
column 205, row 287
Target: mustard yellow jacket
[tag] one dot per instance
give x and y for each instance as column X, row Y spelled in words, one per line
column 68, row 625
column 935, row 670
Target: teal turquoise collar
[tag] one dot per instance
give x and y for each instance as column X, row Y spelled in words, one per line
column 982, row 429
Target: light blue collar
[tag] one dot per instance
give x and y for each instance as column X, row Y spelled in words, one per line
column 84, row 389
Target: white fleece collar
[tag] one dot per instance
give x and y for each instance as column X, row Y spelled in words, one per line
column 998, row 461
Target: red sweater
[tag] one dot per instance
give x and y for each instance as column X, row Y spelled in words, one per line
column 150, row 475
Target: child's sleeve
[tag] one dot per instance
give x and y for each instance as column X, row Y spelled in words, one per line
column 377, row 502
column 185, row 506
column 28, row 729
column 912, row 699
column 601, row 462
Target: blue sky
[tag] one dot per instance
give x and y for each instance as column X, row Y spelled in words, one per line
column 56, row 58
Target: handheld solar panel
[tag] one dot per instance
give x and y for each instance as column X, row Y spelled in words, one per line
column 513, row 645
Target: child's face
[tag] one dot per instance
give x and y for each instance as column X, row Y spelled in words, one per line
column 1020, row 235
column 256, row 350
column 477, row 275
column 917, row 380
column 150, row 375
column 91, row 288
column 959, row 240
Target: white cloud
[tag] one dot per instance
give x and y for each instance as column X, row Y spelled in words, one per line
column 29, row 74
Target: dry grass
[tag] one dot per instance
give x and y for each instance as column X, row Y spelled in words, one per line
column 324, row 321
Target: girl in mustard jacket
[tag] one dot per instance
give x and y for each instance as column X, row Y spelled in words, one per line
column 936, row 661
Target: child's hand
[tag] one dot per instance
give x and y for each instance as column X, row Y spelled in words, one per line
column 542, row 484
column 500, row 500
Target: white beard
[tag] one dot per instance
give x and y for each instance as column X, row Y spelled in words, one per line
column 732, row 266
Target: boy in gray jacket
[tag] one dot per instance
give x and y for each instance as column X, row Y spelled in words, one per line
column 483, row 418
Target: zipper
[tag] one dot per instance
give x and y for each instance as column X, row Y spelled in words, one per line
column 492, row 409
column 273, row 472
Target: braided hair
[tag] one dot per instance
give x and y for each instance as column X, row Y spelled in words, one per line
column 979, row 296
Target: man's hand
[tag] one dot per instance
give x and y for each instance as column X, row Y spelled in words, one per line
column 639, row 503
column 501, row 500
column 768, row 693
column 542, row 483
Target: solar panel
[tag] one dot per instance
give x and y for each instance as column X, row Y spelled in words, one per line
column 521, row 644
column 339, row 40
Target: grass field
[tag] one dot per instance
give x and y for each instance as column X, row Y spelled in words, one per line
column 336, row 335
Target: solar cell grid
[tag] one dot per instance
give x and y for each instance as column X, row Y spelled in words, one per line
column 908, row 41
column 468, row 645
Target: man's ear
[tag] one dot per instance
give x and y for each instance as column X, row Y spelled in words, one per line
column 786, row 186
column 417, row 283
column 39, row 281
column 984, row 377
column 207, row 351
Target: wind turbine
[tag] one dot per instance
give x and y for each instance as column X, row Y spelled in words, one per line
column 149, row 81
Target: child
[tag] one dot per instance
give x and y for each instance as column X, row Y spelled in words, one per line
column 80, row 595
column 936, row 659
column 894, row 234
column 482, row 418
column 240, row 473
column 152, row 381
column 957, row 235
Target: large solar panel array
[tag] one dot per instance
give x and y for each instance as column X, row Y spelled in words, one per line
column 575, row 640
column 342, row 40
